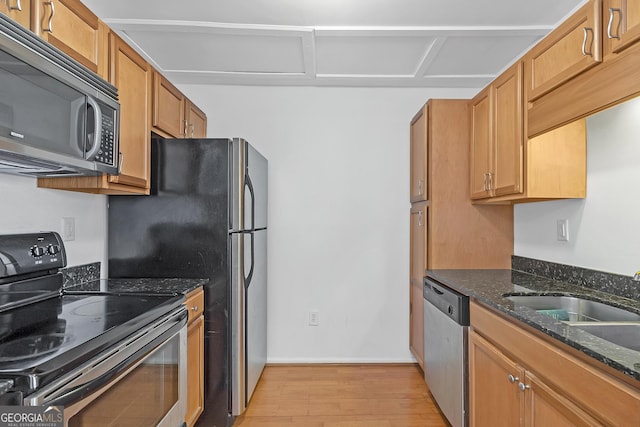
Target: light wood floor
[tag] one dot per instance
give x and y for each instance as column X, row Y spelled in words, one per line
column 341, row 396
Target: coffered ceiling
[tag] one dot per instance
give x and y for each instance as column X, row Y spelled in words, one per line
column 391, row 43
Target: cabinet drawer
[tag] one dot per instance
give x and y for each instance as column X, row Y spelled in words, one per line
column 195, row 304
column 605, row 397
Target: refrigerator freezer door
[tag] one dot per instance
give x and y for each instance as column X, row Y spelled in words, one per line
column 256, row 312
column 248, row 188
column 249, row 315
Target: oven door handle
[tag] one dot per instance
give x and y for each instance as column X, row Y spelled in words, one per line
column 81, row 391
column 124, row 358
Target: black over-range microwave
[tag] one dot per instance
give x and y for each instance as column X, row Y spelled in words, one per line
column 57, row 118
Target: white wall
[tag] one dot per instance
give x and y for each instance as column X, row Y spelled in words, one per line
column 26, row 208
column 338, row 212
column 605, row 226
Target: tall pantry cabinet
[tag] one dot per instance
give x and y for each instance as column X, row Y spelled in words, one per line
column 447, row 230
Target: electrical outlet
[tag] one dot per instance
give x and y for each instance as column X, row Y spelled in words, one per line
column 563, row 230
column 68, row 228
column 314, row 318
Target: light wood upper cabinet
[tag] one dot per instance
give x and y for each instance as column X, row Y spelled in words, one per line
column 18, row 10
column 418, row 150
column 71, row 27
column 173, row 114
column 196, row 121
column 508, row 139
column 132, row 75
column 572, row 48
column 481, row 144
column 497, row 137
column 621, row 23
column 418, row 242
column 168, row 107
column 195, row 356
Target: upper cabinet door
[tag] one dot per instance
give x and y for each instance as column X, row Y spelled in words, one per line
column 508, row 150
column 573, row 47
column 73, row 28
column 481, row 144
column 419, row 156
column 131, row 74
column 18, row 10
column 196, row 121
column 622, row 21
column 168, row 107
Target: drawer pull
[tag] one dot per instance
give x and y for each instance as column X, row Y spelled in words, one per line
column 17, row 7
column 612, row 12
column 586, row 52
column 49, row 28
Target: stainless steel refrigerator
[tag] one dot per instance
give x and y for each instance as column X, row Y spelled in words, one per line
column 206, row 217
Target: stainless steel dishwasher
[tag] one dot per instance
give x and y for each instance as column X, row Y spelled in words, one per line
column 446, row 330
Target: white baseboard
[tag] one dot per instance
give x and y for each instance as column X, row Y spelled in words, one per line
column 334, row 360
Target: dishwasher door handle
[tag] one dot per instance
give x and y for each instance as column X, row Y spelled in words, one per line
column 436, row 290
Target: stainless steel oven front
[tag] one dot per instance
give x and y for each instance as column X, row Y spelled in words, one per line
column 139, row 382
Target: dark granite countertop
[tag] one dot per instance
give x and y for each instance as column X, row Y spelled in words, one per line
column 490, row 286
column 154, row 286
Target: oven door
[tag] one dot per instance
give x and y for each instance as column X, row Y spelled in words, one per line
column 126, row 388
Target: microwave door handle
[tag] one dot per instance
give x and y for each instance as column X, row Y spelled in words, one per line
column 97, row 134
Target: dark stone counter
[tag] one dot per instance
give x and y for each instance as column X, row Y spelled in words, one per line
column 152, row 286
column 491, row 286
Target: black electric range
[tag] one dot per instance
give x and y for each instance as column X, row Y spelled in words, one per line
column 46, row 334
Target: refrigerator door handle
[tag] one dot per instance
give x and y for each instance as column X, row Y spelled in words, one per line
column 249, row 185
column 247, row 280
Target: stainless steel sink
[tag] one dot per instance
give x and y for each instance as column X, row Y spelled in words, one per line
column 625, row 335
column 574, row 309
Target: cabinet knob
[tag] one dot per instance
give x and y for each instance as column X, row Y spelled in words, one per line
column 512, row 379
column 523, row 387
column 194, row 308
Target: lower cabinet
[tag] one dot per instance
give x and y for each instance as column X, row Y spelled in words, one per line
column 517, row 378
column 195, row 356
column 418, row 239
column 502, row 393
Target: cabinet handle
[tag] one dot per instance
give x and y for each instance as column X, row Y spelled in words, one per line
column 490, row 180
column 185, row 128
column 420, row 223
column 586, row 52
column 53, row 12
column 420, row 184
column 192, row 127
column 523, row 387
column 120, row 162
column 512, row 379
column 17, row 7
column 612, row 12
column 194, row 308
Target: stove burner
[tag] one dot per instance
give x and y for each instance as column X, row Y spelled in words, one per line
column 95, row 309
column 32, row 346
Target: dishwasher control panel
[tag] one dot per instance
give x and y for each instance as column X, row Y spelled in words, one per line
column 452, row 303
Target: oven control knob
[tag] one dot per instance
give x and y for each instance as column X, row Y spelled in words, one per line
column 53, row 249
column 37, row 251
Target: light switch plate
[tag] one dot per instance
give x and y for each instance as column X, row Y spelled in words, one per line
column 563, row 230
column 68, row 225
